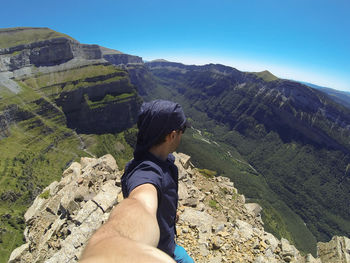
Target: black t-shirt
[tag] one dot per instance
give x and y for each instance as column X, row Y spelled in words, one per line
column 164, row 176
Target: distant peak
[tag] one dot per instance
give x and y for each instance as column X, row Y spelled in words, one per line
column 265, row 75
column 160, row 60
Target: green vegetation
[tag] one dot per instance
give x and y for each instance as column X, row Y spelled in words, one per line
column 15, row 53
column 52, row 84
column 45, row 195
column 10, row 37
column 11, row 229
column 34, row 155
column 108, row 99
column 213, row 204
column 265, row 75
column 207, row 173
column 118, row 145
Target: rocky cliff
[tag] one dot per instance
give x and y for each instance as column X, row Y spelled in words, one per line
column 53, row 91
column 23, row 47
column 215, row 224
column 45, row 61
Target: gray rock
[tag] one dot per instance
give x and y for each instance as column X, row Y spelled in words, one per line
column 218, row 227
column 288, row 251
column 108, row 195
column 253, row 209
column 184, row 160
column 183, row 194
column 216, row 259
column 86, row 211
column 201, row 207
column 310, row 259
column 37, row 206
column 73, row 170
column 245, row 229
column 271, row 240
column 124, row 59
column 109, row 163
column 337, row 250
column 203, row 250
column 192, row 202
column 201, row 220
column 18, row 253
column 87, row 162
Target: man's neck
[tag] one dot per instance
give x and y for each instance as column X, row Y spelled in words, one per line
column 159, row 152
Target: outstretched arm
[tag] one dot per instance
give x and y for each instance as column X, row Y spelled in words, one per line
column 131, row 233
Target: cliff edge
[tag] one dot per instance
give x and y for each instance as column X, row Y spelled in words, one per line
column 215, row 223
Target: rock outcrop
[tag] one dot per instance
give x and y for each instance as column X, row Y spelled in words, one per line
column 124, row 59
column 215, row 224
column 64, row 216
column 90, row 99
column 53, row 51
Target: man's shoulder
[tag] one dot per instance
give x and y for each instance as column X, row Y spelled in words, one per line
column 135, row 166
column 138, row 172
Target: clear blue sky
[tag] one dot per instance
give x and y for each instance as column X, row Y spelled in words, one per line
column 306, row 40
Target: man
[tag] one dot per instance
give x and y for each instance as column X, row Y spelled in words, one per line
column 146, row 218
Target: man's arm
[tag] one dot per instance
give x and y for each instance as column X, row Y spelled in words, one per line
column 131, row 233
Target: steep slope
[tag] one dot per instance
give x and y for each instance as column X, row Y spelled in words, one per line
column 58, row 101
column 291, row 134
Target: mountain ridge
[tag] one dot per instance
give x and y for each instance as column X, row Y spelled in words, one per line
column 215, row 222
column 302, row 125
column 237, row 110
column 342, row 97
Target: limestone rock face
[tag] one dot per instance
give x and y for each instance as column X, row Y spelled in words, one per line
column 337, row 250
column 56, row 51
column 58, row 226
column 215, row 224
column 43, row 53
column 124, row 59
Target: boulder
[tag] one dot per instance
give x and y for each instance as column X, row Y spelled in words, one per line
column 18, row 253
column 109, row 163
column 337, row 250
column 245, row 229
column 73, row 170
column 253, row 209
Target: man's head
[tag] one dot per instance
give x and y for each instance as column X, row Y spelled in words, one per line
column 158, row 119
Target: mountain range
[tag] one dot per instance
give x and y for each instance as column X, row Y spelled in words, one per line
column 342, row 97
column 284, row 144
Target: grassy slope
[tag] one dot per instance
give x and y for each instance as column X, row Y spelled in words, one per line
column 265, row 75
column 40, row 148
column 10, row 37
column 33, row 156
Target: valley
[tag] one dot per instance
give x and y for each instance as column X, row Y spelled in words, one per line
column 284, row 145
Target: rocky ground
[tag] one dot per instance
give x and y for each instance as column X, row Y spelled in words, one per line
column 215, row 224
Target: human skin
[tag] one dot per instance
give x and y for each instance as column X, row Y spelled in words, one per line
column 131, row 233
